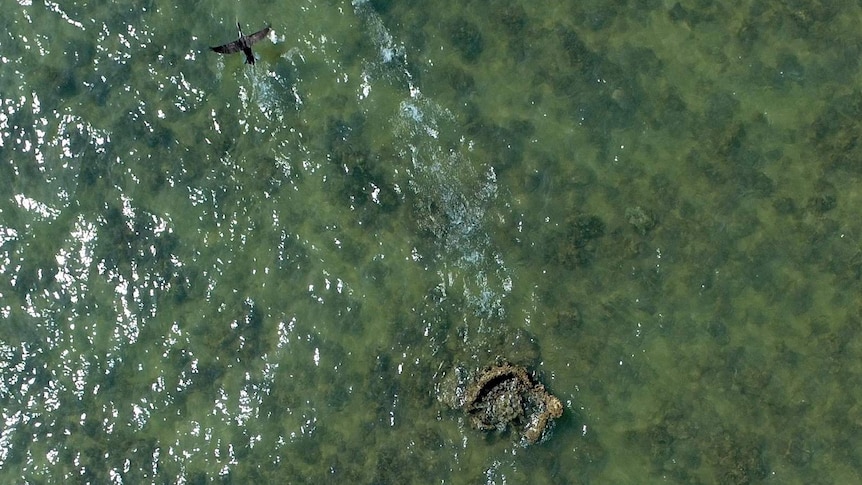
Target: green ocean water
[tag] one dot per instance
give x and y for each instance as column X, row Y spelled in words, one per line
column 215, row 272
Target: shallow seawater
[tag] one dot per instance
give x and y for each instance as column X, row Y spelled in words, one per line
column 270, row 273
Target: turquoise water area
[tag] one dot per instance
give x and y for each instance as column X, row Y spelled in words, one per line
column 215, row 272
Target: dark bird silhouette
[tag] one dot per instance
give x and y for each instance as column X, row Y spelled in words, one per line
column 243, row 44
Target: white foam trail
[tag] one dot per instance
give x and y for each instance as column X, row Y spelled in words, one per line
column 454, row 195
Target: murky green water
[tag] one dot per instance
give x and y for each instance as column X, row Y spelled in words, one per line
column 264, row 274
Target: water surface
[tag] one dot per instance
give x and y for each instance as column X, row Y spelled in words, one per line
column 265, row 274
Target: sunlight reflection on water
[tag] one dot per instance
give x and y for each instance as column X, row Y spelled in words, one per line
column 269, row 272
column 148, row 314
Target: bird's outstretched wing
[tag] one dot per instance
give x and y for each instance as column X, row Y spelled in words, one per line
column 243, row 44
column 228, row 48
column 260, row 34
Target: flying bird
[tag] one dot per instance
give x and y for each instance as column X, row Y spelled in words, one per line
column 243, row 44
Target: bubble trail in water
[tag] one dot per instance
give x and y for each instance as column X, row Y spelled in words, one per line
column 453, row 196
